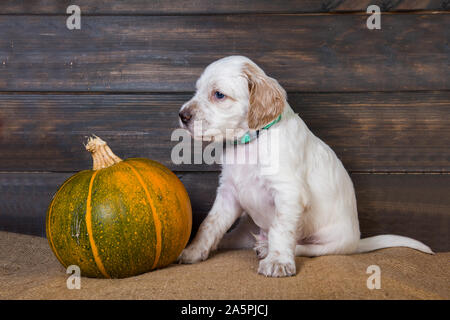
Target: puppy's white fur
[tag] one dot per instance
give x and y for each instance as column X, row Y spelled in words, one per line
column 306, row 208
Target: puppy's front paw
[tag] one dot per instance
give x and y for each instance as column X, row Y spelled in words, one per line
column 192, row 255
column 277, row 267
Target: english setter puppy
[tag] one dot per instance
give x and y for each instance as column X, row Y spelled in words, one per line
column 297, row 192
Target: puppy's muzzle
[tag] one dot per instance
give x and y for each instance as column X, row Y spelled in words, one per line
column 185, row 116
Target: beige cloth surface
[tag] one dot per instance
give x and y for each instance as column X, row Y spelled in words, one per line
column 28, row 270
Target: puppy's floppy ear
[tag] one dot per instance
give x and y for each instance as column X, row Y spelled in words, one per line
column 267, row 97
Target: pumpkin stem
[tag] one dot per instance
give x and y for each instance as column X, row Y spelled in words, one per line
column 101, row 154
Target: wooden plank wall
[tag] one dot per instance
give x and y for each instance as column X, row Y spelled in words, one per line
column 379, row 98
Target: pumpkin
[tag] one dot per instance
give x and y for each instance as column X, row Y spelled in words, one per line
column 123, row 218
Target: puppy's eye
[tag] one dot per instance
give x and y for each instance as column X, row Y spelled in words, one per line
column 219, row 95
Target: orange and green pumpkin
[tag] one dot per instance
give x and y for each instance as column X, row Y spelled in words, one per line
column 123, row 218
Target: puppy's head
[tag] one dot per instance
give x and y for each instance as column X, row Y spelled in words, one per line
column 232, row 96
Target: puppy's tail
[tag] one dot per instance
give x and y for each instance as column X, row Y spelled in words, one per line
column 388, row 241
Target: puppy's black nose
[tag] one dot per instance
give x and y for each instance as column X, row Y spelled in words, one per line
column 185, row 115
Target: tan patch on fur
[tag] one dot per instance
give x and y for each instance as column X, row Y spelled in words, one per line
column 267, row 97
column 193, row 106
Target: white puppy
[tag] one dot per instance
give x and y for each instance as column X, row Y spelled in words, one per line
column 297, row 191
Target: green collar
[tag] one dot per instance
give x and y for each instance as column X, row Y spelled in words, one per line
column 249, row 136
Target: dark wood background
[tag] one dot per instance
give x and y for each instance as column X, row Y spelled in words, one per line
column 379, row 98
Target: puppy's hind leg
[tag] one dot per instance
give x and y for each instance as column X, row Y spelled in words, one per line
column 246, row 235
column 316, row 250
column 261, row 245
column 241, row 237
column 325, row 242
